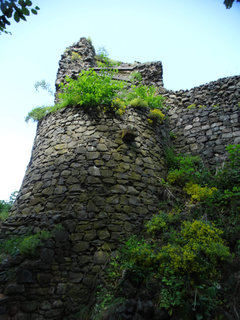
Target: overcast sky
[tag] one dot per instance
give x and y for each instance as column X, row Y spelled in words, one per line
column 196, row 40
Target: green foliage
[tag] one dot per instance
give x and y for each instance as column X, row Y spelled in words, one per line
column 156, row 115
column 91, row 90
column 16, row 8
column 36, row 114
column 4, row 209
column 89, row 40
column 103, row 61
column 135, row 77
column 181, row 261
column 100, row 92
column 144, row 96
column 195, row 252
column 229, row 176
column 25, row 244
column 29, row 243
column 5, row 206
column 44, row 86
column 172, row 135
column 118, row 106
column 162, row 222
column 102, row 57
column 229, row 3
column 105, row 302
column 182, row 168
column 75, row 56
column 192, row 106
column 197, row 192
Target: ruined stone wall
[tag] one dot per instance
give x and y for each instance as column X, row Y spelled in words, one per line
column 82, row 56
column 91, row 181
column 209, row 125
column 204, row 129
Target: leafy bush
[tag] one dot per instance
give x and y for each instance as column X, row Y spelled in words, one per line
column 182, row 261
column 4, row 209
column 162, row 222
column 25, row 244
column 100, row 92
column 156, row 115
column 135, row 77
column 38, row 113
column 29, row 243
column 118, row 106
column 144, row 96
column 91, row 90
column 103, row 61
column 5, row 206
column 184, row 169
column 197, row 192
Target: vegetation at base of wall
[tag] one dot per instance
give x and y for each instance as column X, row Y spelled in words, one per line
column 24, row 244
column 185, row 260
column 100, row 92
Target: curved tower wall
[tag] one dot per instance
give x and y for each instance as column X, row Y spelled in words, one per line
column 92, row 181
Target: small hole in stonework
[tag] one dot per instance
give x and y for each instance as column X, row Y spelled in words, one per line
column 129, row 134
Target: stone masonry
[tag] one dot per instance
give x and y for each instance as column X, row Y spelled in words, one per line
column 93, row 180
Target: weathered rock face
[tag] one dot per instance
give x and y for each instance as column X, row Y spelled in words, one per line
column 79, row 56
column 79, row 159
column 98, row 177
column 209, row 126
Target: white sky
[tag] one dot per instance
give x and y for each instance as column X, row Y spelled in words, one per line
column 196, row 40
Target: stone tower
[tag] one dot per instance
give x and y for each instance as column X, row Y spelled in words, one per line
column 91, row 182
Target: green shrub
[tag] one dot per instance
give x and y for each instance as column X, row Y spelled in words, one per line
column 162, row 222
column 100, row 92
column 197, row 192
column 138, row 102
column 29, row 243
column 183, row 168
column 5, row 206
column 38, row 113
column 25, row 244
column 90, row 90
column 135, row 77
column 148, row 94
column 156, row 115
column 103, row 61
column 229, row 176
column 192, row 259
column 4, row 209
